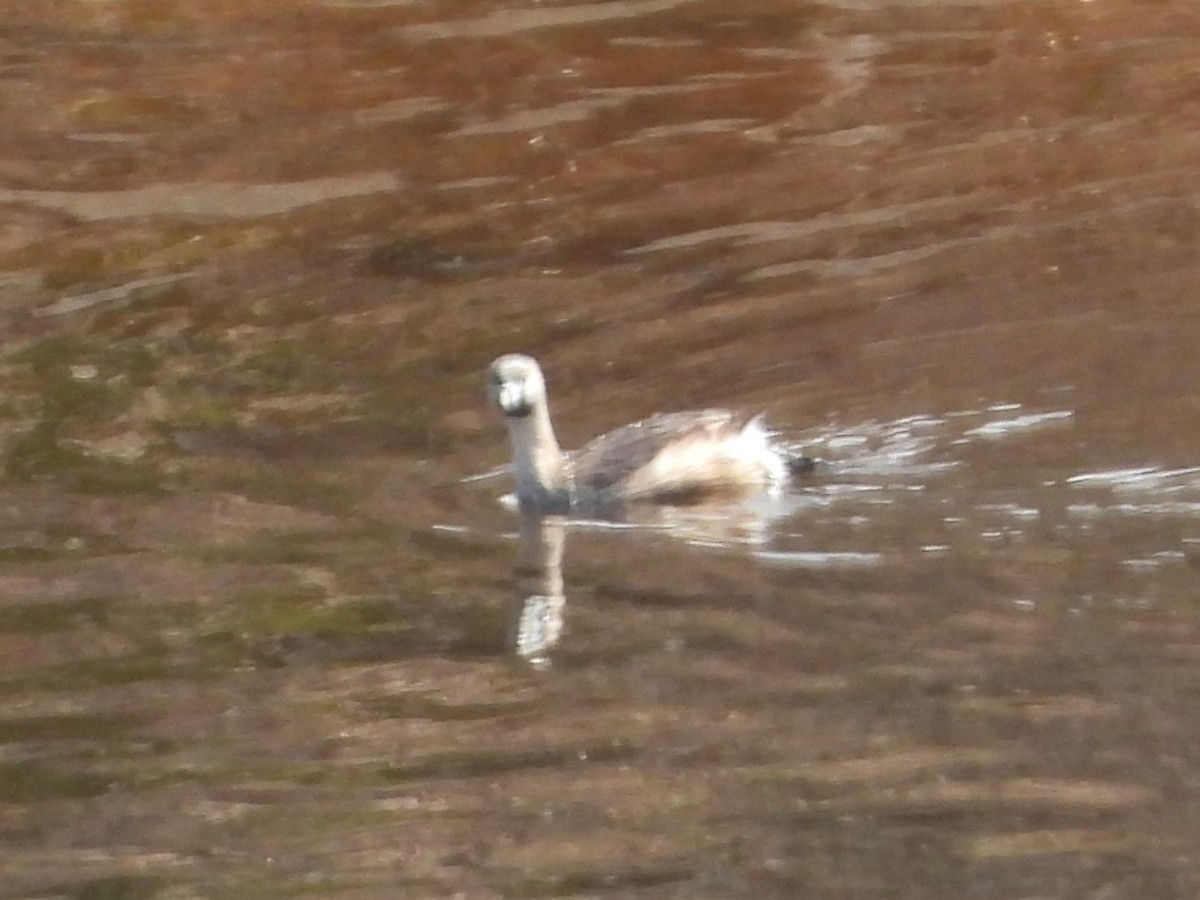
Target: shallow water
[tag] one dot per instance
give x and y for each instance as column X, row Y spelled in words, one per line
column 262, row 633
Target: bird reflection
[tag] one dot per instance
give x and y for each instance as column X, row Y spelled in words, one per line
column 537, row 613
column 536, row 620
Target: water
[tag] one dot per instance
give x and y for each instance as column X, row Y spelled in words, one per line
column 262, row 633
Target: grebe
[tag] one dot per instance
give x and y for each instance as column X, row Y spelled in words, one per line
column 671, row 458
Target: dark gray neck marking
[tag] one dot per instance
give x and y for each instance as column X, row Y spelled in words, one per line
column 519, row 412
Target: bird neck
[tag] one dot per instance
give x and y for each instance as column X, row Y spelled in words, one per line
column 539, row 464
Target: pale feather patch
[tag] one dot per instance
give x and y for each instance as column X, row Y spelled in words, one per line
column 716, row 459
column 755, row 444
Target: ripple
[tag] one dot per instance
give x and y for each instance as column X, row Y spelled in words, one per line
column 750, row 233
column 533, row 119
column 117, row 294
column 401, row 110
column 513, row 21
column 1005, row 427
column 200, row 199
column 1096, row 510
column 812, row 559
column 1142, row 478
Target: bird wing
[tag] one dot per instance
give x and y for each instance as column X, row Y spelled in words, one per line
column 614, row 457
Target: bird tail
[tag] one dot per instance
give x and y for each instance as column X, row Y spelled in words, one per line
column 799, row 463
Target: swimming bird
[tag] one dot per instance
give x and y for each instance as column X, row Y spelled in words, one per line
column 670, row 458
